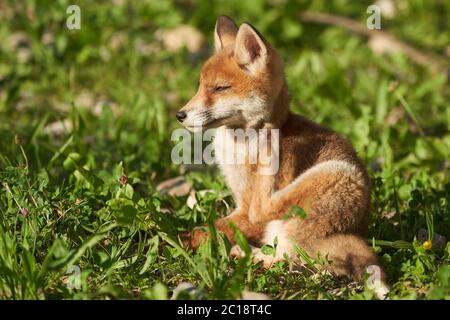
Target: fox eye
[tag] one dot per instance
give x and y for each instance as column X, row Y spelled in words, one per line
column 221, row 88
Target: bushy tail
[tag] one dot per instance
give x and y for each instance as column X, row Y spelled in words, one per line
column 350, row 256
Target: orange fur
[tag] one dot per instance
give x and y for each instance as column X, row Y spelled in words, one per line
column 319, row 170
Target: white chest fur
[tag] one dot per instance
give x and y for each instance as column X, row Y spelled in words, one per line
column 229, row 155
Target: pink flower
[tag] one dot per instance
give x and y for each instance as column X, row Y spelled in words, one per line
column 24, row 212
column 123, row 180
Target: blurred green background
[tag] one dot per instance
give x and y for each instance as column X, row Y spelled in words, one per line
column 81, row 108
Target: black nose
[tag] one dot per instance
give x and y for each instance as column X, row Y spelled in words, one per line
column 181, row 115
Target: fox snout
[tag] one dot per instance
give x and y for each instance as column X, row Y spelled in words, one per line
column 194, row 115
column 181, row 115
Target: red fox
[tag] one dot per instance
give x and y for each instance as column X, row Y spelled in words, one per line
column 243, row 86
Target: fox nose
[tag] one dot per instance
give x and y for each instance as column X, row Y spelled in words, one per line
column 181, row 115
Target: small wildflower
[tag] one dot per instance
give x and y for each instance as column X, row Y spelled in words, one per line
column 427, row 245
column 18, row 139
column 24, row 212
column 123, row 180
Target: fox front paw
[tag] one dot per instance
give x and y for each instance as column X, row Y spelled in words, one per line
column 267, row 260
column 193, row 239
column 257, row 256
column 237, row 252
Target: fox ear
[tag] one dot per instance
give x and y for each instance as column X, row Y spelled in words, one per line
column 250, row 50
column 224, row 32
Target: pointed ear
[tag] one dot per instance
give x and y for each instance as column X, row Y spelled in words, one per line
column 224, row 32
column 250, row 50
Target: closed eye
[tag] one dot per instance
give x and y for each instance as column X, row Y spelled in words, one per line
column 221, row 88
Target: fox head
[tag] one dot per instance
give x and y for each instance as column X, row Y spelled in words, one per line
column 239, row 84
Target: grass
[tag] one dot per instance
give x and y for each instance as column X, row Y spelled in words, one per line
column 87, row 117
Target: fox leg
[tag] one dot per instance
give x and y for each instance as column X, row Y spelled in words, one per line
column 349, row 255
column 334, row 194
column 252, row 231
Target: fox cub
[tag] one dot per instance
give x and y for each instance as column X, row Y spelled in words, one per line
column 243, row 86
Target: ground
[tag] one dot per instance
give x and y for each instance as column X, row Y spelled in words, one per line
column 87, row 117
